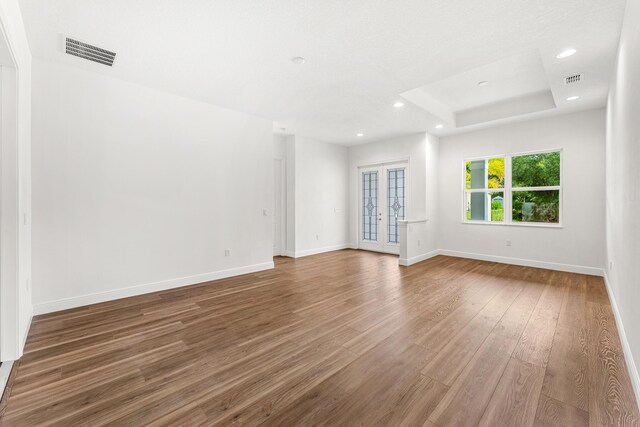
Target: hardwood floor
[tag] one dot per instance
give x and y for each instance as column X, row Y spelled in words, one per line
column 343, row 338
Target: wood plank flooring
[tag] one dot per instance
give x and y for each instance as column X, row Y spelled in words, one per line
column 343, row 338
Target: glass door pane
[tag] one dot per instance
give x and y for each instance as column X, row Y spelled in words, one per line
column 370, row 206
column 395, row 202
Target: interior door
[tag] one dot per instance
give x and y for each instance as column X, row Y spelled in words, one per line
column 383, row 201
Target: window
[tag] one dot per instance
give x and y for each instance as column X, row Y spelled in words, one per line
column 484, row 190
column 536, row 187
column 514, row 189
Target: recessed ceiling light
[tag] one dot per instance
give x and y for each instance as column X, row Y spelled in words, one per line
column 567, row 53
column 573, row 98
column 398, row 104
column 439, row 126
column 483, row 83
column 298, row 60
column 360, row 134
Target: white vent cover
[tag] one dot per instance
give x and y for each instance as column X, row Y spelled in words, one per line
column 576, row 78
column 89, row 52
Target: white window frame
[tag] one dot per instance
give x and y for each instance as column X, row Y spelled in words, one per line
column 508, row 190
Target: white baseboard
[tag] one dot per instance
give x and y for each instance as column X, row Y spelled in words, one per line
column 82, row 300
column 626, row 348
column 593, row 271
column 315, row 251
column 415, row 259
column 5, row 372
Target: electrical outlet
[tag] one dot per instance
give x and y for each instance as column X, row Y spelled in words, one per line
column 508, row 242
column 418, row 242
column 227, row 252
column 317, row 237
column 610, row 265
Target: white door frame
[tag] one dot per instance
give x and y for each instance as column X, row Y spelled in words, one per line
column 382, row 245
column 281, row 209
column 14, row 223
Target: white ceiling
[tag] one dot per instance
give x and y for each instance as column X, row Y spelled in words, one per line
column 360, row 55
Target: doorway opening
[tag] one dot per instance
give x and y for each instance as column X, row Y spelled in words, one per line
column 279, row 207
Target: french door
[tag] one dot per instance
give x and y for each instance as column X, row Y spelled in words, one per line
column 383, row 201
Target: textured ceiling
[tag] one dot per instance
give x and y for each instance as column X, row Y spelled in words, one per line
column 360, row 55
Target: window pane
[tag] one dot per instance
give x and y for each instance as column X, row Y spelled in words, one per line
column 536, row 206
column 370, row 206
column 496, row 172
column 395, row 203
column 484, row 206
column 536, row 170
column 485, row 173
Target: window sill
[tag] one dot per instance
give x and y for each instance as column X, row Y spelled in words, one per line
column 514, row 224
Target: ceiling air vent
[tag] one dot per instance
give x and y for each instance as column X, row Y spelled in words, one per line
column 89, row 52
column 576, row 78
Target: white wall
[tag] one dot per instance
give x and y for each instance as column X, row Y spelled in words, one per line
column 136, row 190
column 581, row 240
column 422, row 152
column 279, row 146
column 321, row 196
column 623, row 187
column 432, row 173
column 15, row 234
